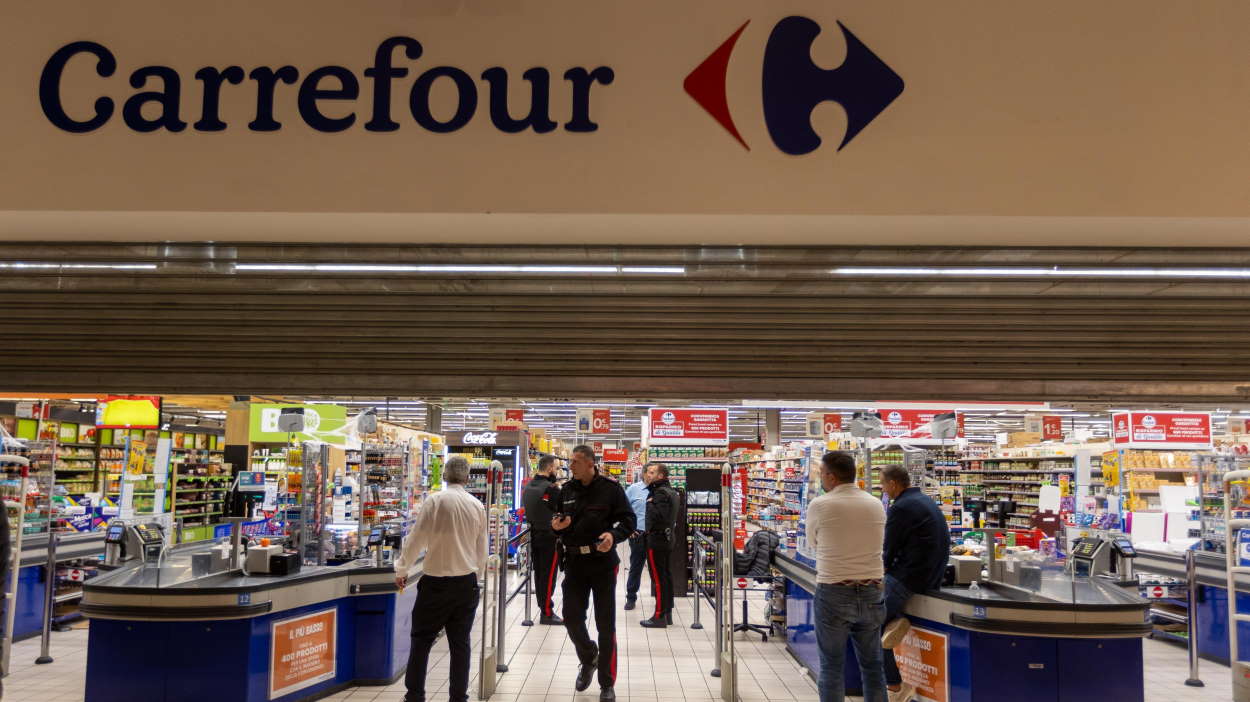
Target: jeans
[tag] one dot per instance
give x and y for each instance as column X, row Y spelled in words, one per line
column 637, row 562
column 896, row 596
column 849, row 611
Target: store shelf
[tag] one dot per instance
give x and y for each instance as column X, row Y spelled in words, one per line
column 1029, row 458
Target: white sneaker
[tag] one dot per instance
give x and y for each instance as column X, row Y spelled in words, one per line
column 904, row 693
column 894, row 632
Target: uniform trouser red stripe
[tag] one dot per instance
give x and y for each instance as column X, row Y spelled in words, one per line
column 551, row 583
column 659, row 585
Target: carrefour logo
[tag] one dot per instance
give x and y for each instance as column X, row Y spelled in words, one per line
column 1149, row 421
column 793, row 85
column 668, row 418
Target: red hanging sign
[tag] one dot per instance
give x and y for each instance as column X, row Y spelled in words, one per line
column 1052, row 427
column 912, row 423
column 697, row 427
column 833, row 422
column 615, row 455
column 1168, row 430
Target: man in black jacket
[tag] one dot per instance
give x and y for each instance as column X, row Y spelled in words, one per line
column 661, row 520
column 537, row 498
column 592, row 517
column 916, row 550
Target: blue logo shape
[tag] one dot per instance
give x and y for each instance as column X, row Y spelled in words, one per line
column 245, row 598
column 979, row 612
column 793, row 85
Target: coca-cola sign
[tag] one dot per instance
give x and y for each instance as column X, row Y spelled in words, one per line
column 486, row 438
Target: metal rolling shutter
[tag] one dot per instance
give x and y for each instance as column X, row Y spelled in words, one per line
column 737, row 323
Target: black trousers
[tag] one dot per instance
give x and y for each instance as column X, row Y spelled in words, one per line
column 442, row 604
column 584, row 576
column 658, row 558
column 546, row 566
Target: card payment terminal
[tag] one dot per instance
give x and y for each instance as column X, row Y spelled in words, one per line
column 128, row 540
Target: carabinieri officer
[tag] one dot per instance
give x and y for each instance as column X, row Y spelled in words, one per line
column 592, row 517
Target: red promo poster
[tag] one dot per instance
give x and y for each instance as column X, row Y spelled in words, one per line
column 615, row 455
column 833, row 422
column 601, row 422
column 1052, row 427
column 302, row 652
column 514, row 415
column 1180, row 430
column 923, row 662
column 912, row 423
column 690, row 427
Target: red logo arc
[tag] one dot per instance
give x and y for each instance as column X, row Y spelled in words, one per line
column 706, row 84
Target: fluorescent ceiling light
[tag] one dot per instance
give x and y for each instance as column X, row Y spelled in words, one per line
column 1056, row 271
column 113, row 266
column 455, row 268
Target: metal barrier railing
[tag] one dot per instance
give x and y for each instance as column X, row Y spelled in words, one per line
column 522, row 541
column 705, row 546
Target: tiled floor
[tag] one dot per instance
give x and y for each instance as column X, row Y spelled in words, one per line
column 654, row 666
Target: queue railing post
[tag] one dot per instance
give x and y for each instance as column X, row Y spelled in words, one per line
column 720, row 617
column 1191, row 597
column 49, row 600
column 700, row 565
column 529, row 579
column 501, row 626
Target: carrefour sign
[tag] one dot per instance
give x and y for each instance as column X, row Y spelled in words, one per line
column 801, row 107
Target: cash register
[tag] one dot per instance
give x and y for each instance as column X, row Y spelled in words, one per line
column 1110, row 557
column 128, row 540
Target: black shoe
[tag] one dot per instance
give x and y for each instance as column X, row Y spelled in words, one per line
column 553, row 620
column 654, row 623
column 630, row 603
column 668, row 619
column 607, row 694
column 586, row 672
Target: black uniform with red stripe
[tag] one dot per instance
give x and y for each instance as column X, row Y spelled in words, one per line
column 596, row 508
column 539, row 496
column 661, row 521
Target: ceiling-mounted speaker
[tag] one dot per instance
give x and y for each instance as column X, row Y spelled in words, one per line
column 865, row 425
column 367, row 423
column 291, row 420
column 945, row 426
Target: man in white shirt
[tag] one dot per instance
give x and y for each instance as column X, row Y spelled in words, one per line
column 451, row 530
column 846, row 529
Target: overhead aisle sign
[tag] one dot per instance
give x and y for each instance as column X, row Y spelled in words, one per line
column 1162, row 430
column 803, row 107
column 913, row 424
column 688, row 427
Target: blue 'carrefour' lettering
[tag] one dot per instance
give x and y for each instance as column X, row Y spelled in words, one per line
column 325, row 99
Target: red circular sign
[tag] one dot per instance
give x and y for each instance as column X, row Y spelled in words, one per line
column 742, row 583
column 1157, row 591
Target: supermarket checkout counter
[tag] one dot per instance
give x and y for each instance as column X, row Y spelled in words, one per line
column 32, row 574
column 1068, row 640
column 168, row 632
column 1212, row 597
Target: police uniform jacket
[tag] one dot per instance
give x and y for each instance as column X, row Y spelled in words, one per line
column 595, row 508
column 661, row 514
column 537, row 499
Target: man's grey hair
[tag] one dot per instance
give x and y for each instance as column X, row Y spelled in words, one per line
column 896, row 473
column 456, row 470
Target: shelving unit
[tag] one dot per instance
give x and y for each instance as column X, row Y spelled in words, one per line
column 198, row 491
column 680, row 459
column 1018, row 479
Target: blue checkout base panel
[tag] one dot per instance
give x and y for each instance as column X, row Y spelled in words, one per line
column 980, row 667
column 1213, row 623
column 210, row 661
